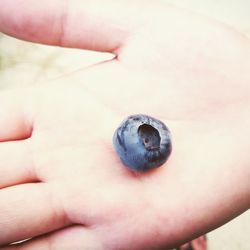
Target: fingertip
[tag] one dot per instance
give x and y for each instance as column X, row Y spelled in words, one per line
column 14, row 122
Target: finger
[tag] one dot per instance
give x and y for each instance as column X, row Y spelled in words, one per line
column 14, row 120
column 200, row 243
column 75, row 237
column 29, row 210
column 86, row 24
column 16, row 164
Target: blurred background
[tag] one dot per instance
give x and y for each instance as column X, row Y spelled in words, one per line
column 23, row 64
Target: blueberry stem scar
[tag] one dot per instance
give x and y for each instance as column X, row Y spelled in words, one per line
column 142, row 142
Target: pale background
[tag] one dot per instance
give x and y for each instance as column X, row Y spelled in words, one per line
column 22, row 64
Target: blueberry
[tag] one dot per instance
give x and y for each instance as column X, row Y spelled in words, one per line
column 142, row 142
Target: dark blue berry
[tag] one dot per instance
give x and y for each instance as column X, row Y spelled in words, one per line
column 142, row 142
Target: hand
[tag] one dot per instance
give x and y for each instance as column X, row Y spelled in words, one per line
column 61, row 181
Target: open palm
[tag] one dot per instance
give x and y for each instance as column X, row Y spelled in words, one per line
column 62, row 183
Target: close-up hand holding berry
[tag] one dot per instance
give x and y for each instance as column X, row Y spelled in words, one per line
column 62, row 183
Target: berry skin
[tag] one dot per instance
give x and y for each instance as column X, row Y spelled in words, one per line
column 142, row 142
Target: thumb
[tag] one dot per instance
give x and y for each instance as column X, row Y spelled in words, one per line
column 85, row 24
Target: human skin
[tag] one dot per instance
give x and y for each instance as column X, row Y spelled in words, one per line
column 60, row 178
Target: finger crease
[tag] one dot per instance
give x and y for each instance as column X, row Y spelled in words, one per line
column 63, row 21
